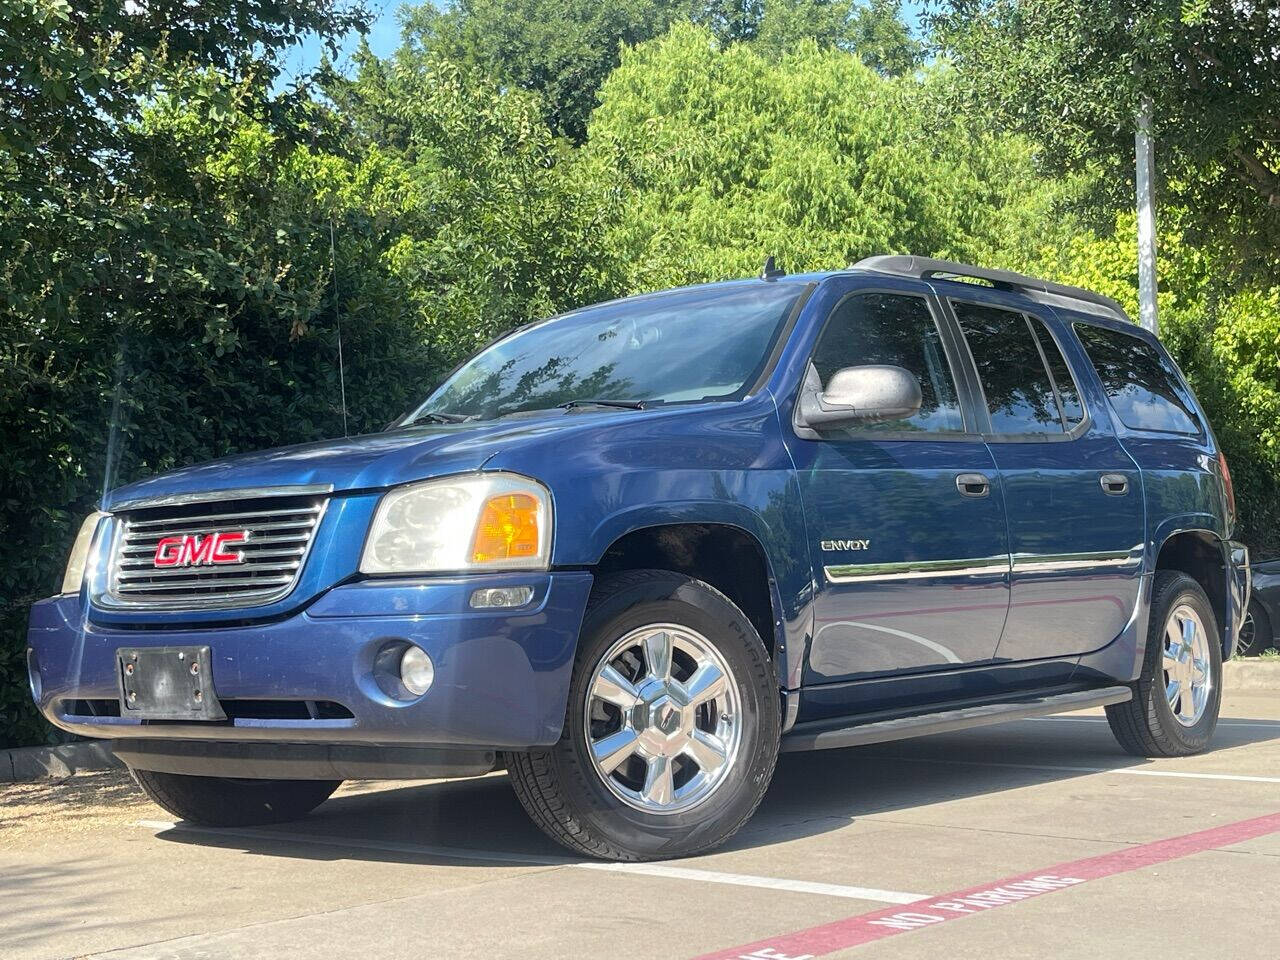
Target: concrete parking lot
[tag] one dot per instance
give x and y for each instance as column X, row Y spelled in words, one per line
column 1037, row 838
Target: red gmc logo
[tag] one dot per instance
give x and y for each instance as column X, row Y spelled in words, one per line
column 191, row 550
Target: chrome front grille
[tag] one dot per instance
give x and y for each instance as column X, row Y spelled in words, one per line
column 278, row 531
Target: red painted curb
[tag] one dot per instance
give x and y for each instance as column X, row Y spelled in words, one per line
column 857, row 930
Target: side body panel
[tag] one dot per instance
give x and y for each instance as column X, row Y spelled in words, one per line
column 1076, row 550
column 911, row 574
column 1183, row 493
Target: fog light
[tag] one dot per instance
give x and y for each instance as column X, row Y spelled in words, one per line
column 416, row 671
column 501, row 597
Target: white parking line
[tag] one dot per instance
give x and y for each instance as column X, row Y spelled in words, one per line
column 495, row 856
column 768, row 883
column 1128, row 771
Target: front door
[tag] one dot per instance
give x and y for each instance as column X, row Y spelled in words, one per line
column 1072, row 494
column 906, row 519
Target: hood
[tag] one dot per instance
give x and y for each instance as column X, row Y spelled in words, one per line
column 372, row 461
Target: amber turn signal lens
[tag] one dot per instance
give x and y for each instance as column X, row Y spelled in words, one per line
column 508, row 528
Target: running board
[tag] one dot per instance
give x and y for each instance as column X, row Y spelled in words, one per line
column 822, row 735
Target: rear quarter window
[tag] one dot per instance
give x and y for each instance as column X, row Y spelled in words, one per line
column 1144, row 388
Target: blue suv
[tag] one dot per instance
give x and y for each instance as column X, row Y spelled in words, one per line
column 632, row 552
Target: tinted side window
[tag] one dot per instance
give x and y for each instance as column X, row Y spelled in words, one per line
column 898, row 330
column 1019, row 390
column 1063, row 381
column 1143, row 386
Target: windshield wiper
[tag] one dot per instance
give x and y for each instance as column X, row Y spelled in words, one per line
column 434, row 417
column 622, row 404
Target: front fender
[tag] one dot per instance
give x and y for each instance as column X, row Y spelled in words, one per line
column 718, row 464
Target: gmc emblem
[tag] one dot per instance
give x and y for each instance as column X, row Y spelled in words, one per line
column 191, row 550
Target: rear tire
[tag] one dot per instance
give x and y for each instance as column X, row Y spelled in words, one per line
column 223, row 802
column 689, row 756
column 1183, row 659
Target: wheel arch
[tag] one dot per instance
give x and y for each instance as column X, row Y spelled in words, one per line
column 1201, row 555
column 725, row 555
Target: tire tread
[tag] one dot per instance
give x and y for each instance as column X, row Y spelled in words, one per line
column 1138, row 724
column 218, row 802
column 534, row 780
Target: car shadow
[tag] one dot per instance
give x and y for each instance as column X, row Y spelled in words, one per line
column 479, row 822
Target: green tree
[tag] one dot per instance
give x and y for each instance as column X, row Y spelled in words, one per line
column 730, row 155
column 503, row 222
column 875, row 31
column 1071, row 77
column 562, row 49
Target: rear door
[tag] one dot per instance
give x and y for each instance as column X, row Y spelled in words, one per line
column 906, row 519
column 1073, row 496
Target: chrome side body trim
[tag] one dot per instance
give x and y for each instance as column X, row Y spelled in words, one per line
column 1017, row 563
column 916, row 569
column 1064, row 562
column 206, row 496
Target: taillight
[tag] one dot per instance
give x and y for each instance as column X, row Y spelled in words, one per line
column 1228, row 490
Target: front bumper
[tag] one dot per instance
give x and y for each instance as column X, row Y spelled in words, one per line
column 501, row 676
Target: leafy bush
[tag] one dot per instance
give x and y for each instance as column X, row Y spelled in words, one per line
column 195, row 312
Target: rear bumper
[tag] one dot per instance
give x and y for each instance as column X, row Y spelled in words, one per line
column 501, row 677
column 1239, row 582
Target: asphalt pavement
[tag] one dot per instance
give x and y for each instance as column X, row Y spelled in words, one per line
column 1035, row 838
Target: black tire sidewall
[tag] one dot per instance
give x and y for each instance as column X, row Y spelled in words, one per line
column 1181, row 589
column 679, row 600
column 227, row 802
column 1262, row 636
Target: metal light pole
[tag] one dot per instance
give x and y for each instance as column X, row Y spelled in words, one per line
column 1146, row 220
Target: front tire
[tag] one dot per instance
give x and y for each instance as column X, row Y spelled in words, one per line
column 1176, row 700
column 224, row 802
column 672, row 727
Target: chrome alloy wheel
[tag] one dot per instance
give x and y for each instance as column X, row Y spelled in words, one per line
column 1248, row 635
column 1187, row 681
column 663, row 722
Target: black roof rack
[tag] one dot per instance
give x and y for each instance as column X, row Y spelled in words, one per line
column 1042, row 290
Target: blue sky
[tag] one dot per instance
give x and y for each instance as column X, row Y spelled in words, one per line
column 384, row 34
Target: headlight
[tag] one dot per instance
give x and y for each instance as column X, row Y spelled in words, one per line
column 481, row 521
column 73, row 577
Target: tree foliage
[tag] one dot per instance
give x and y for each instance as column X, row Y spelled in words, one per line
column 1071, row 77
column 560, row 49
column 175, row 299
column 89, row 244
column 184, row 234
column 564, row 49
column 730, row 155
column 1225, row 336
column 875, row 31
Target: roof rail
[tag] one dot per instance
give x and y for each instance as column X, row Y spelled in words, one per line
column 1042, row 290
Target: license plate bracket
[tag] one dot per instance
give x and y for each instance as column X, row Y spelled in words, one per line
column 167, row 683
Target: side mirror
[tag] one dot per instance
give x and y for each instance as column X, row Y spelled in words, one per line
column 865, row 394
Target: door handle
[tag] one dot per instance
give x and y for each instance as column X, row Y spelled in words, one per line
column 973, row 484
column 1114, row 484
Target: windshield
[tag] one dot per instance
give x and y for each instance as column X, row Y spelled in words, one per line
column 706, row 343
